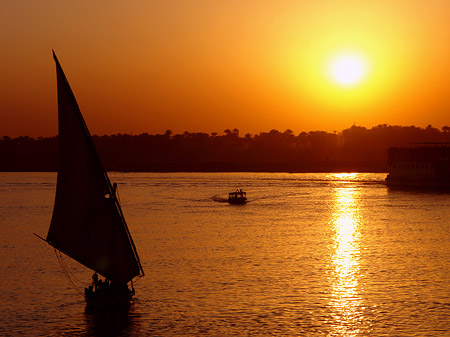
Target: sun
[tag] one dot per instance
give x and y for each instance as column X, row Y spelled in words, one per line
column 347, row 69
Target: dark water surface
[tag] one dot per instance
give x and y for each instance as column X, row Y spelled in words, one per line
column 309, row 255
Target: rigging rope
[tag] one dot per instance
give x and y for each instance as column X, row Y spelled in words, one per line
column 67, row 272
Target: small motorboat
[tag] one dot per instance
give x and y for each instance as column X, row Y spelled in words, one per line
column 237, row 197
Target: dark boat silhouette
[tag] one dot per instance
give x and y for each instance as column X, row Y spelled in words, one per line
column 237, row 197
column 87, row 223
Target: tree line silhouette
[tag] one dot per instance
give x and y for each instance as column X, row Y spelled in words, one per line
column 356, row 149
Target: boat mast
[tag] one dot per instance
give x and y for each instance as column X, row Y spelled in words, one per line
column 124, row 223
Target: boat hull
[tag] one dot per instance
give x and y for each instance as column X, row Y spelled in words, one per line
column 237, row 201
column 418, row 184
column 108, row 301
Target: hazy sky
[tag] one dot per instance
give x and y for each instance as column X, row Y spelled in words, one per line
column 205, row 66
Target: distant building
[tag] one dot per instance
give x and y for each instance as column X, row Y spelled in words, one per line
column 425, row 165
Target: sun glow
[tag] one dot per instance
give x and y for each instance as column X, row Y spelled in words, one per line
column 347, row 69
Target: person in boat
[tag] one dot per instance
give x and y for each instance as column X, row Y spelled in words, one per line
column 95, row 281
column 89, row 291
column 106, row 288
column 98, row 285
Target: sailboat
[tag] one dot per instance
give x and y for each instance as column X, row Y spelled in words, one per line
column 87, row 222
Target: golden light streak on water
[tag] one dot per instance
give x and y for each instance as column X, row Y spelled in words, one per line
column 345, row 300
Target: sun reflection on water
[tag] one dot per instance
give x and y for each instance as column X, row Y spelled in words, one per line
column 345, row 299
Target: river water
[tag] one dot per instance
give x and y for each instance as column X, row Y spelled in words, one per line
column 309, row 255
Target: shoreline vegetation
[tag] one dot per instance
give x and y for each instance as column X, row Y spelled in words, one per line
column 356, row 149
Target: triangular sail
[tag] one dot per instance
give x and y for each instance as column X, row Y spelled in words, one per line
column 87, row 222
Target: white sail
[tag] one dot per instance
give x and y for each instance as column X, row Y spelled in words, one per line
column 87, row 222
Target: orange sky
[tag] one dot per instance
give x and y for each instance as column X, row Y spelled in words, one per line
column 204, row 66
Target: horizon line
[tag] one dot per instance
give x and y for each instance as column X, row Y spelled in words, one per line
column 444, row 129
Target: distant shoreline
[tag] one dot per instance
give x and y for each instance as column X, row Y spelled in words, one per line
column 355, row 149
